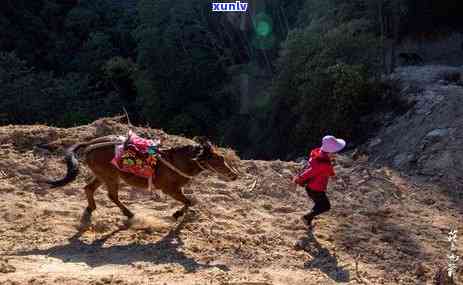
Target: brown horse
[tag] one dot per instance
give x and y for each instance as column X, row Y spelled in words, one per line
column 176, row 167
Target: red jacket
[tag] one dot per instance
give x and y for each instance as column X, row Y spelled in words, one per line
column 317, row 174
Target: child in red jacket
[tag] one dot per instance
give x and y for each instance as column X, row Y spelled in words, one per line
column 317, row 174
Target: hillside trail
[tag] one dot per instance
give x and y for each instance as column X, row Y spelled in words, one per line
column 384, row 227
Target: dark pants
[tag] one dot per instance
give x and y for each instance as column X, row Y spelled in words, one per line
column 322, row 204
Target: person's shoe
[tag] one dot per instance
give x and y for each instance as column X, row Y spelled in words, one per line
column 299, row 245
column 307, row 219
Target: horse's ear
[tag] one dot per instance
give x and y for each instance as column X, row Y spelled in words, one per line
column 204, row 142
column 200, row 139
column 206, row 147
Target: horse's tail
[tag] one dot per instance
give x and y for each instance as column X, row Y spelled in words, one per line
column 72, row 167
column 73, row 164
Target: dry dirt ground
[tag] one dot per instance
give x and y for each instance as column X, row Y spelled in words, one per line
column 384, row 228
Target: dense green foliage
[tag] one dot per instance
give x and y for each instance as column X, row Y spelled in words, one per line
column 326, row 83
column 183, row 67
column 54, row 52
column 270, row 84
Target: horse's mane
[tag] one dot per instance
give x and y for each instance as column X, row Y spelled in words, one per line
column 191, row 150
column 228, row 154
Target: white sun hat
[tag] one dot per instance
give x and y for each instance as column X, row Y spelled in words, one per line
column 331, row 144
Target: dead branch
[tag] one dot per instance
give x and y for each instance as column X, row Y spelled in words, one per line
column 253, row 186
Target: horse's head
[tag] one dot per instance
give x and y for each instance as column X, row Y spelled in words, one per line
column 211, row 159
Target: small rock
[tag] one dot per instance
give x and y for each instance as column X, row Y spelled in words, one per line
column 429, row 201
column 401, row 159
column 42, row 229
column 438, row 133
column 106, row 280
column 420, row 270
column 6, row 268
column 375, row 142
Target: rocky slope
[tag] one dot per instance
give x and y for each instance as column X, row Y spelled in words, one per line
column 427, row 140
column 383, row 228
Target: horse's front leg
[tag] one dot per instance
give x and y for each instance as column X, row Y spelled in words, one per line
column 176, row 193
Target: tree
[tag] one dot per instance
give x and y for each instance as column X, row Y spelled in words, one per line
column 25, row 93
column 183, row 63
column 324, row 85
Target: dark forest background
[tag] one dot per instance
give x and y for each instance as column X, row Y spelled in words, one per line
column 269, row 82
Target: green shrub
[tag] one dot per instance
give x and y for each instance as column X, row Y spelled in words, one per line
column 27, row 96
column 326, row 83
column 118, row 68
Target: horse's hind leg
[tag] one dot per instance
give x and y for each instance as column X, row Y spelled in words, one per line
column 113, row 194
column 89, row 192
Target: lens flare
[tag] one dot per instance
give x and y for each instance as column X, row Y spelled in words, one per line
column 263, row 29
column 264, row 38
column 263, row 25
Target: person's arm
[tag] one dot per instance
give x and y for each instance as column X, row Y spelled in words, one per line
column 307, row 175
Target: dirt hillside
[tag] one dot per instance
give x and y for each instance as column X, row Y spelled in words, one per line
column 383, row 228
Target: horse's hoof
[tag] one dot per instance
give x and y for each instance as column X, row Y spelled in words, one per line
column 177, row 214
column 193, row 201
column 126, row 224
column 82, row 228
column 169, row 219
column 85, row 222
column 192, row 212
column 191, row 215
